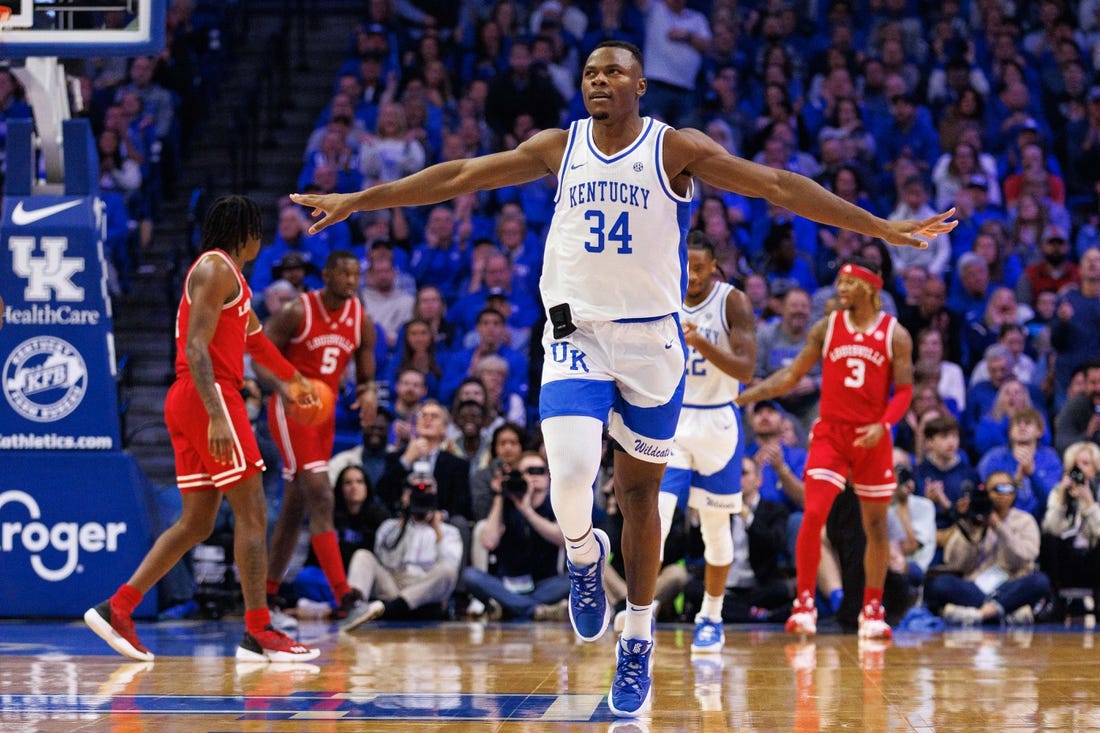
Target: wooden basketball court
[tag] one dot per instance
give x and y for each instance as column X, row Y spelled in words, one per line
column 58, row 676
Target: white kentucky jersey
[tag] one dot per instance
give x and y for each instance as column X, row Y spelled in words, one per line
column 616, row 245
column 706, row 385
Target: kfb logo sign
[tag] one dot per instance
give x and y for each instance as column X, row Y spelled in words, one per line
column 45, row 379
column 65, row 539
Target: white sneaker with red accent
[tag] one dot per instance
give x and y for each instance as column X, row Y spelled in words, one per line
column 803, row 618
column 872, row 622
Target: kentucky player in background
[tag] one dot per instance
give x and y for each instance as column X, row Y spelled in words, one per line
column 705, row 465
column 215, row 449
column 863, row 352
column 613, row 283
column 319, row 333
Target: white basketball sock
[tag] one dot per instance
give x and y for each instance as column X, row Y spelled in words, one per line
column 639, row 622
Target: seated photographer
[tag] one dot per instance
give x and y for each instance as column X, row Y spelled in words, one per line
column 414, row 567
column 424, row 453
column 990, row 560
column 1070, row 546
column 521, row 531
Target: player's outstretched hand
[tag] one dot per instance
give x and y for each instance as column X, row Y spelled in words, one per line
column 335, row 206
column 916, row 232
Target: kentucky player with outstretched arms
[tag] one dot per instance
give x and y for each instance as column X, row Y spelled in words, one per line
column 863, row 352
column 613, row 282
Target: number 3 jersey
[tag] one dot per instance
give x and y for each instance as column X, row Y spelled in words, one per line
column 616, row 245
column 856, row 369
column 323, row 345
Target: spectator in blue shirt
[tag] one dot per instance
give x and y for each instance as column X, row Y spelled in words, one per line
column 290, row 237
column 908, row 134
column 491, row 332
column 440, row 260
column 1035, row 468
column 943, row 475
column 780, row 465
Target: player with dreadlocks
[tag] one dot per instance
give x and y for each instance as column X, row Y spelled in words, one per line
column 215, row 449
column 863, row 351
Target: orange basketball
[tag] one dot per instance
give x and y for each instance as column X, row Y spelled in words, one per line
column 317, row 414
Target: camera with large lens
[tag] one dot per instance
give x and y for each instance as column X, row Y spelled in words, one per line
column 422, row 500
column 513, row 484
column 1077, row 478
column 980, row 507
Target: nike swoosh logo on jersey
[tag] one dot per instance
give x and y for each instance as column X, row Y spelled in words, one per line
column 22, row 217
column 668, row 345
column 575, row 166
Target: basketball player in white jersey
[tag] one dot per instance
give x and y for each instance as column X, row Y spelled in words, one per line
column 705, row 463
column 613, row 282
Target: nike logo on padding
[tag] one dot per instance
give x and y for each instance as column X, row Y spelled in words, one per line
column 21, row 217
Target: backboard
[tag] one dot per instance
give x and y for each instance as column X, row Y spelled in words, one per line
column 83, row 28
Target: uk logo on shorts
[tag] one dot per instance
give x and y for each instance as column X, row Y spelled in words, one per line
column 45, row 378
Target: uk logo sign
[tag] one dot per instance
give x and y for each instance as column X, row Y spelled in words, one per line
column 45, row 378
column 50, row 274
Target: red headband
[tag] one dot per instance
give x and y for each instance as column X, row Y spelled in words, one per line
column 862, row 273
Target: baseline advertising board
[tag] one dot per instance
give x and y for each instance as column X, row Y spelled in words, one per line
column 72, row 528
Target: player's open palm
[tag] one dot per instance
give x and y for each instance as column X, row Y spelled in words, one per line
column 916, row 232
column 335, row 207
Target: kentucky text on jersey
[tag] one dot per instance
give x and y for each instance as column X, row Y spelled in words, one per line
column 867, row 353
column 615, row 192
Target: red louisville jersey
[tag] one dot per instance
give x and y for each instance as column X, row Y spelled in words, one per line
column 228, row 345
column 327, row 339
column 856, row 369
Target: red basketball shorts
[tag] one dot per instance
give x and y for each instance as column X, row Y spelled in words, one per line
column 305, row 448
column 188, row 425
column 832, row 458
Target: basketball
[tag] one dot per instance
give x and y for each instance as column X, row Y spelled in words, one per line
column 317, row 414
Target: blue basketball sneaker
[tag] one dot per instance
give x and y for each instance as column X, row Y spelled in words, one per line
column 632, row 686
column 588, row 609
column 709, row 636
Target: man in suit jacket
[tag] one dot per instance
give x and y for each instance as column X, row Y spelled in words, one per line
column 756, row 588
column 423, row 455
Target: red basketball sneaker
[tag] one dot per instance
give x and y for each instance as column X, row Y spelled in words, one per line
column 275, row 646
column 872, row 623
column 803, row 618
column 118, row 631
